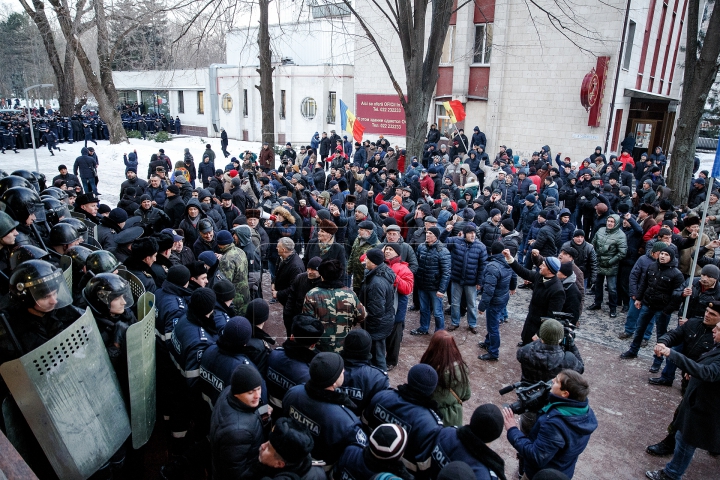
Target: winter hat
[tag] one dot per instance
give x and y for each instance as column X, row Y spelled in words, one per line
column 711, row 271
column 366, row 225
column 102, row 208
column 570, row 250
column 423, row 378
column 244, row 378
column 252, row 213
column 487, row 422
column 330, row 270
column 357, row 345
column 130, row 191
column 553, row 264
column 257, row 311
column 456, row 470
column 579, row 233
column 197, row 268
column 205, row 225
column 468, row 214
column 224, row 290
column 235, row 335
column 543, row 214
column 165, row 241
column 208, row 258
column 532, row 188
column 307, row 330
column 658, row 247
column 551, row 332
column 291, row 440
column 383, row 209
column 224, row 238
column 362, row 209
column 314, row 263
column 435, row 231
column 375, row 255
column 328, row 226
column 396, row 247
column 494, row 212
column 469, row 227
column 601, row 208
column 178, row 275
column 496, row 247
column 202, row 302
column 173, row 189
column 623, row 208
column 530, row 198
column 388, row 441
column 566, row 268
column 143, row 247
column 508, row 224
column 129, row 169
column 691, row 220
column 550, row 200
column 118, row 215
column 325, row 369
column 552, row 214
column 670, row 252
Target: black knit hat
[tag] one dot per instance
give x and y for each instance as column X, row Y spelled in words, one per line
column 314, row 263
column 291, row 440
column 423, row 378
column 244, row 378
column 508, row 224
column 375, row 255
column 118, row 215
column 165, row 241
column 178, row 275
column 388, row 441
column 456, row 470
column 435, row 231
column 330, row 270
column 235, row 335
column 196, row 268
column 487, row 422
column 306, row 329
column 202, row 302
column 325, row 369
column 224, row 290
column 258, row 311
column 496, row 247
column 357, row 345
column 143, row 247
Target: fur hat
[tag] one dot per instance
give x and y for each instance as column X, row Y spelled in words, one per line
column 330, row 270
column 252, row 213
column 284, row 213
column 144, row 247
column 328, row 226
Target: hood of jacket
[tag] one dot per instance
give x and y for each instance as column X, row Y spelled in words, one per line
column 576, row 415
column 618, row 223
column 194, row 202
column 85, row 151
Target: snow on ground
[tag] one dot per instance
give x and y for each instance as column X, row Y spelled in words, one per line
column 112, row 168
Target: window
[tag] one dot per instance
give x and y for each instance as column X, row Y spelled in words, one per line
column 181, row 102
column 201, row 102
column 227, row 103
column 483, row 43
column 629, row 45
column 245, row 103
column 282, row 103
column 442, row 118
column 308, row 108
column 332, row 100
column 448, row 47
column 328, row 10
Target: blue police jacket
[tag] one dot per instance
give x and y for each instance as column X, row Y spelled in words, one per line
column 288, row 366
column 362, row 382
column 188, row 341
column 448, row 448
column 216, row 368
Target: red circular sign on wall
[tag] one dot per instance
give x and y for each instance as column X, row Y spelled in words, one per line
column 590, row 90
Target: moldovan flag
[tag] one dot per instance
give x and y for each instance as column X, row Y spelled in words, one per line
column 455, row 110
column 349, row 123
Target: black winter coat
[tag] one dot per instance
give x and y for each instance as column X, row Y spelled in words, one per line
column 662, row 286
column 487, row 233
column 548, row 239
column 236, row 433
column 378, row 297
column 287, row 272
column 174, row 208
column 540, row 362
column 694, row 335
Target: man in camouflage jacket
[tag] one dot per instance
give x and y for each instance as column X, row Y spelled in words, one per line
column 365, row 240
column 335, row 305
column 234, row 265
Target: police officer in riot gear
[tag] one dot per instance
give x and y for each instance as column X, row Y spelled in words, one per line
column 63, row 237
column 24, row 205
column 29, row 176
column 55, row 210
column 79, row 255
column 8, row 234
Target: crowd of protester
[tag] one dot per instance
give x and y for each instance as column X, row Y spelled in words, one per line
column 351, row 237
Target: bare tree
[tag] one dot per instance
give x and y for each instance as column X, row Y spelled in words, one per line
column 266, row 69
column 702, row 61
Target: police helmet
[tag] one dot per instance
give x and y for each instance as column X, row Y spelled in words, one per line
column 24, row 253
column 55, row 210
column 108, row 293
column 39, row 284
column 7, row 224
column 63, row 234
column 79, row 225
column 28, row 175
column 21, row 202
column 40, row 179
column 79, row 255
column 55, row 192
column 101, row 261
column 11, row 181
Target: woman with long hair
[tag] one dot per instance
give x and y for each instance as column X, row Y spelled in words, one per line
column 453, row 384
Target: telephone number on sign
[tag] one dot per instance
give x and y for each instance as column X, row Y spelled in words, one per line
column 390, row 110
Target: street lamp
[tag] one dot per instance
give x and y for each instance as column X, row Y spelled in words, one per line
column 32, row 133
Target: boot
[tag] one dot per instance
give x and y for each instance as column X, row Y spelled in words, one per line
column 664, row 448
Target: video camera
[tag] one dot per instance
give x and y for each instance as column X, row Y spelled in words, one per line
column 531, row 397
column 565, row 320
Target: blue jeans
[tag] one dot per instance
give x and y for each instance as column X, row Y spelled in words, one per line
column 428, row 301
column 631, row 321
column 470, row 301
column 644, row 318
column 612, row 290
column 493, row 315
column 682, row 457
column 88, row 185
column 668, row 372
column 402, row 303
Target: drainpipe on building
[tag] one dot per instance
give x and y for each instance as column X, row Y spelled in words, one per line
column 611, row 118
column 214, row 100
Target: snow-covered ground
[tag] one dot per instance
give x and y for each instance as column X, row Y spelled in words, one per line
column 112, row 169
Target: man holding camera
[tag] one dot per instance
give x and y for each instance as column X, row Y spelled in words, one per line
column 562, row 430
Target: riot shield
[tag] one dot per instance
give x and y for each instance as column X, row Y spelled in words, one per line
column 66, row 265
column 70, row 396
column 78, row 215
column 92, row 228
column 136, row 285
column 141, row 371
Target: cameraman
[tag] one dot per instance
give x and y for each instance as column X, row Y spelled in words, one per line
column 544, row 358
column 562, row 430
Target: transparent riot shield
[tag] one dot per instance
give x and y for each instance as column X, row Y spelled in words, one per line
column 70, row 396
column 66, row 265
column 141, row 370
